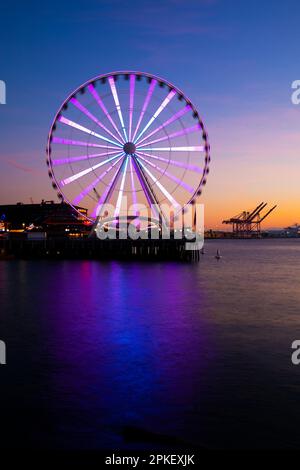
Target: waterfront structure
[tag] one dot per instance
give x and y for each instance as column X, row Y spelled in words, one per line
column 48, row 216
column 248, row 224
column 131, row 140
column 293, row 231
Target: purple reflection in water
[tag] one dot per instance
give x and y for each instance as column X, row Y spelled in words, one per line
column 122, row 359
column 181, row 350
column 118, row 349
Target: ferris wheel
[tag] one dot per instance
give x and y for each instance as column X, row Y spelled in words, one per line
column 128, row 135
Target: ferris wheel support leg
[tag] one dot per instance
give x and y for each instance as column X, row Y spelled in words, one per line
column 149, row 193
column 107, row 196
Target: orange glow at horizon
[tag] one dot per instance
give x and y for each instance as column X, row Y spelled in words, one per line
column 254, row 159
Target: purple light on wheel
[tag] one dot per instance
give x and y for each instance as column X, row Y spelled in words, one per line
column 97, row 211
column 73, row 124
column 58, row 140
column 174, row 118
column 145, row 106
column 113, row 88
column 121, row 190
column 65, row 161
column 169, row 175
column 173, row 162
column 134, row 197
column 160, row 186
column 93, row 118
column 199, row 148
column 91, row 186
column 186, row 131
column 151, row 154
column 95, row 95
column 88, row 170
column 131, row 101
column 157, row 112
column 141, row 180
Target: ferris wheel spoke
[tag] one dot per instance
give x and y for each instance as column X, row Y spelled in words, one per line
column 145, row 106
column 95, row 95
column 185, row 131
column 134, row 195
column 113, row 88
column 65, row 161
column 148, row 191
column 131, row 101
column 194, row 168
column 109, row 190
column 165, row 102
column 169, row 175
column 85, row 111
column 159, row 185
column 92, row 186
column 199, row 148
column 174, row 118
column 77, row 126
column 75, row 177
column 121, row 190
column 58, row 140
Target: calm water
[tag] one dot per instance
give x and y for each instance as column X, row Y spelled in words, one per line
column 198, row 352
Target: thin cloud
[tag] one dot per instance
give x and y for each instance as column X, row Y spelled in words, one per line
column 170, row 17
column 21, row 167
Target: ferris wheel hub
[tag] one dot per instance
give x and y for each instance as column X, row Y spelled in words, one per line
column 129, row 148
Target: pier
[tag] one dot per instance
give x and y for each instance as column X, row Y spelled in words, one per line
column 93, row 248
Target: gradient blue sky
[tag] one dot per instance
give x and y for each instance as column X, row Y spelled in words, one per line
column 234, row 59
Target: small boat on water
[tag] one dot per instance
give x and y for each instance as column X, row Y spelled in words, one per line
column 218, row 255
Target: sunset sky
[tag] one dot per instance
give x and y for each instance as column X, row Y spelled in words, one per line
column 235, row 60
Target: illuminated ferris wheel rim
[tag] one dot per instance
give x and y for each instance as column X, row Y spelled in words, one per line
column 130, row 144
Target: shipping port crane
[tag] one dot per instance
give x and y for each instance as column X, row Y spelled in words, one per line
column 248, row 224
